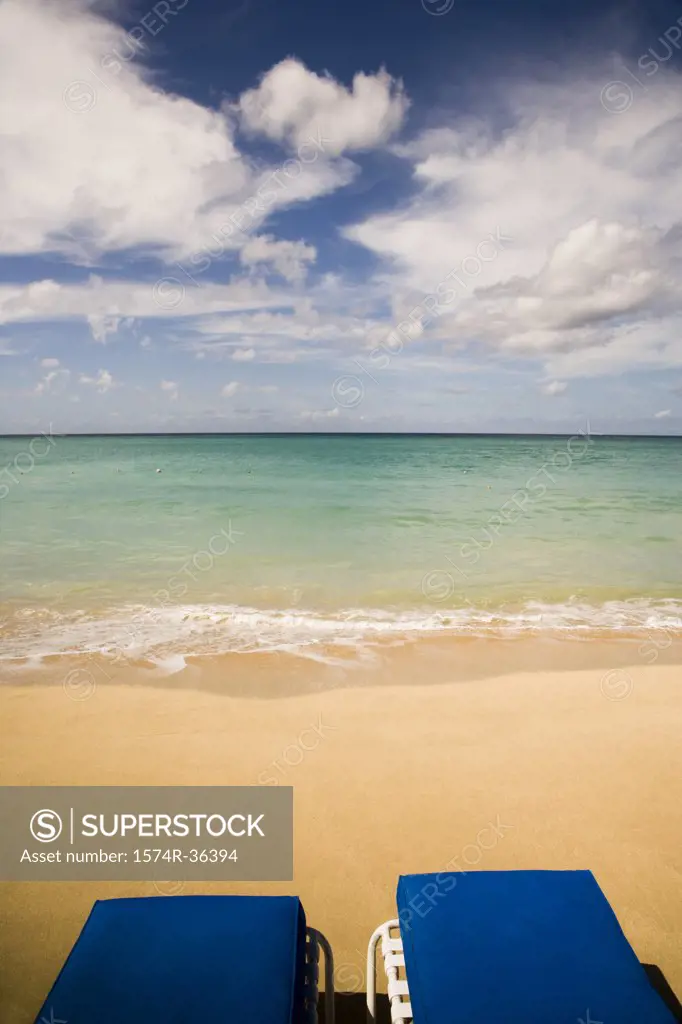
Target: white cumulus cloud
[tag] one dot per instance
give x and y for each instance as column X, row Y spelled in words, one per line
column 558, row 240
column 292, row 103
column 130, row 165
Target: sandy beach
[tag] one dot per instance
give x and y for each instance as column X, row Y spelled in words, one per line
column 576, row 768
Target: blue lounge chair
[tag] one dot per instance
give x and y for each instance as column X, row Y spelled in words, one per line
column 192, row 960
column 509, row 947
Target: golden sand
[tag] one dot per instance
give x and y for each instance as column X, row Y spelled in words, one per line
column 536, row 769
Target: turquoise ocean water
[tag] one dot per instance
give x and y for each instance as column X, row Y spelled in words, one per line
column 301, row 542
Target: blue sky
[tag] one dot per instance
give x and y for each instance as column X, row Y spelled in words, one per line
column 405, row 215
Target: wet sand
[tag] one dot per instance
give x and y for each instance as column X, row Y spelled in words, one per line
column 540, row 768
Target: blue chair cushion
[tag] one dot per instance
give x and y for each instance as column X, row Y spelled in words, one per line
column 519, row 947
column 184, row 960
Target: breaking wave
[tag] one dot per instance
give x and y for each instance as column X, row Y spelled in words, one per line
column 167, row 635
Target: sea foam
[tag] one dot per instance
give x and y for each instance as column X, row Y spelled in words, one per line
column 166, row 635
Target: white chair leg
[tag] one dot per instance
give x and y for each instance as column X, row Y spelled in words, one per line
column 372, row 974
column 398, row 993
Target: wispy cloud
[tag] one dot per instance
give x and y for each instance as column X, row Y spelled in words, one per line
column 555, row 387
column 171, row 388
column 315, row 415
column 103, row 382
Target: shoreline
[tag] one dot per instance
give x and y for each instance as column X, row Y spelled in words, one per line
column 173, row 632
column 404, row 778
column 423, row 661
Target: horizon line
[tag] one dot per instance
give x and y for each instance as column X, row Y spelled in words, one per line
column 340, row 433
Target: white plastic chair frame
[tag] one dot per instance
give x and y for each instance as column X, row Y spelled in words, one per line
column 394, row 965
column 314, row 942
